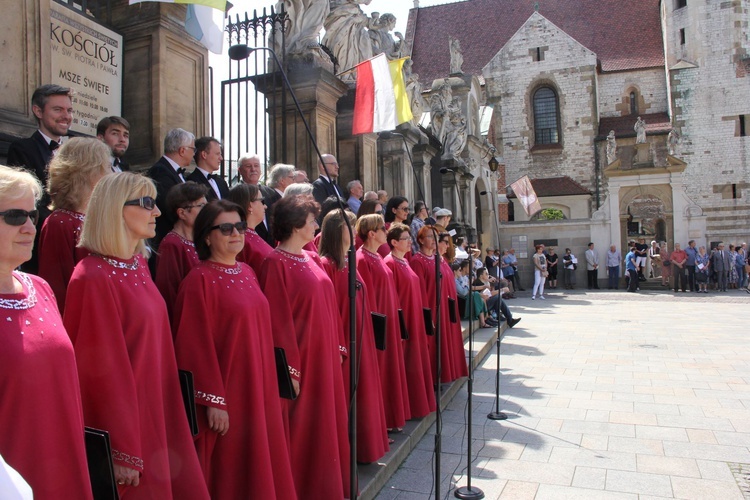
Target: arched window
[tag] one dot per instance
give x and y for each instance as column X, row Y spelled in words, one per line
column 633, row 103
column 546, row 129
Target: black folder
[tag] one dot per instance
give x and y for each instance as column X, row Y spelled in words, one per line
column 101, row 470
column 452, row 309
column 428, row 324
column 402, row 323
column 187, row 387
column 286, row 389
column 379, row 327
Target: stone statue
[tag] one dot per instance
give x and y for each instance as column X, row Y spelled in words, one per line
column 306, row 19
column 640, row 131
column 673, row 139
column 457, row 57
column 346, row 34
column 439, row 103
column 382, row 42
column 414, row 91
column 611, row 147
column 455, row 132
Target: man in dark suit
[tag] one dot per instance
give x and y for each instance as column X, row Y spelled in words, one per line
column 249, row 172
column 53, row 109
column 323, row 187
column 169, row 171
column 720, row 263
column 208, row 160
column 114, row 131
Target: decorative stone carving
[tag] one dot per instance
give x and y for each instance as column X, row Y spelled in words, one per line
column 457, row 56
column 673, row 139
column 455, row 134
column 414, row 91
column 640, row 131
column 347, row 36
column 611, row 147
column 306, row 19
column 439, row 103
column 382, row 41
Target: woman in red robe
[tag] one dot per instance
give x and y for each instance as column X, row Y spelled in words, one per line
column 423, row 264
column 455, row 335
column 379, row 280
column 176, row 251
column 256, row 249
column 73, row 172
column 396, row 210
column 40, row 418
column 120, row 330
column 306, row 324
column 372, row 435
column 223, row 336
column 416, row 353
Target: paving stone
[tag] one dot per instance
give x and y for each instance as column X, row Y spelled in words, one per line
column 519, row 490
column 684, row 487
column 638, row 482
column 672, row 466
column 552, row 492
column 589, row 477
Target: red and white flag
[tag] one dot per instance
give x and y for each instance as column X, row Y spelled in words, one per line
column 381, row 102
column 526, row 195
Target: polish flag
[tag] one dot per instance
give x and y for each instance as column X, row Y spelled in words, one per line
column 380, row 101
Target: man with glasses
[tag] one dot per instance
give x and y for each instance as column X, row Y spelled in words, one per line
column 323, row 187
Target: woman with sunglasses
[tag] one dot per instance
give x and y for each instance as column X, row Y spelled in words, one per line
column 416, row 355
column 396, row 210
column 256, row 249
column 120, row 330
column 176, row 251
column 450, row 297
column 372, row 437
column 379, row 281
column 73, row 173
column 41, row 417
column 423, row 264
column 306, row 324
column 222, row 327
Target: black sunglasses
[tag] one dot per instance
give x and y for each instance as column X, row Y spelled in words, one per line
column 146, row 202
column 17, row 217
column 228, row 228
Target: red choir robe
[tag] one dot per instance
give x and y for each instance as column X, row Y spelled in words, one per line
column 424, row 268
column 255, row 250
column 455, row 338
column 40, row 417
column 120, row 330
column 58, row 251
column 379, row 281
column 177, row 256
column 416, row 353
column 222, row 328
column 306, row 324
column 372, row 433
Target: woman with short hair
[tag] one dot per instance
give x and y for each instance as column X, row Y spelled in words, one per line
column 256, row 249
column 396, row 210
column 119, row 326
column 222, row 327
column 306, row 324
column 73, row 172
column 176, row 251
column 40, row 416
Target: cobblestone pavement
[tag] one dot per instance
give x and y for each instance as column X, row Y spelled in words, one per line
column 610, row 395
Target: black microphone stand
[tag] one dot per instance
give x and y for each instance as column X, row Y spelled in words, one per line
column 238, row 53
column 497, row 414
column 467, row 492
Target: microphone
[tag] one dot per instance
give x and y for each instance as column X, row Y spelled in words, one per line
column 445, row 170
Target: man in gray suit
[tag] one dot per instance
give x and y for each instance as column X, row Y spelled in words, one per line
column 721, row 262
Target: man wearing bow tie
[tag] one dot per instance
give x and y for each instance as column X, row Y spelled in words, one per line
column 323, row 187
column 53, row 110
column 114, row 131
column 208, row 160
column 179, row 146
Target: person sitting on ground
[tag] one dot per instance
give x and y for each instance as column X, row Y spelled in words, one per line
column 477, row 309
column 495, row 303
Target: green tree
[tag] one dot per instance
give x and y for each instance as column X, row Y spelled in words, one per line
column 551, row 214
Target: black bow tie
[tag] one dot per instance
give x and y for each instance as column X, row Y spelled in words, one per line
column 181, row 171
column 53, row 145
column 215, row 177
column 116, row 163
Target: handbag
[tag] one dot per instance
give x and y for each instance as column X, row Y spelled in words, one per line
column 666, row 263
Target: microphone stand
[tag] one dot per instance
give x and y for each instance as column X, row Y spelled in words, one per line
column 467, row 492
column 497, row 414
column 242, row 51
column 438, row 366
column 388, row 135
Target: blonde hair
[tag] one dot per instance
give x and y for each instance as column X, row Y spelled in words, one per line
column 15, row 182
column 74, row 171
column 104, row 231
column 368, row 223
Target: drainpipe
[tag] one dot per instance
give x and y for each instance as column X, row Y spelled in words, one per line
column 596, row 172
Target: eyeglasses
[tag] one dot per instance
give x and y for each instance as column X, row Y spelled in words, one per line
column 191, row 147
column 407, row 238
column 228, row 228
column 17, row 217
column 381, row 228
column 146, row 202
column 197, row 205
column 403, row 209
column 447, row 242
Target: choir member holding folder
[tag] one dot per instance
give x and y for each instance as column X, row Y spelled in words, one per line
column 372, row 438
column 306, row 324
column 416, row 354
column 120, row 330
column 379, row 281
column 454, row 332
column 40, row 417
column 222, row 327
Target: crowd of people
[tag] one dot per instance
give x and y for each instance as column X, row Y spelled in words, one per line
column 111, row 281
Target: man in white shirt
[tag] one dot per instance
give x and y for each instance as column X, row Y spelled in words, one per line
column 208, row 160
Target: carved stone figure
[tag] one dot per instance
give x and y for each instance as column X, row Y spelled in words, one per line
column 673, row 139
column 306, row 19
column 611, row 147
column 346, row 34
column 455, row 133
column 414, row 91
column 640, row 131
column 382, row 41
column 457, row 56
column 439, row 118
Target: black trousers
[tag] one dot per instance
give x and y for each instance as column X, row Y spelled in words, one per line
column 633, row 281
column 593, row 282
column 692, row 285
column 680, row 278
